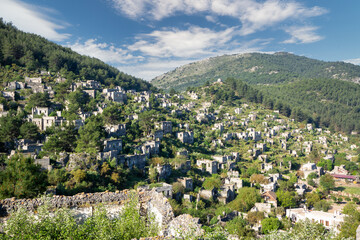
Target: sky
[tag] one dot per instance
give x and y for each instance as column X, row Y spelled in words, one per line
column 146, row 38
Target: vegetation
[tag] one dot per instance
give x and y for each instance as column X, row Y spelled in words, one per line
column 32, row 52
column 313, row 87
column 22, row 178
column 91, row 142
column 255, row 68
column 62, row 225
column 245, row 199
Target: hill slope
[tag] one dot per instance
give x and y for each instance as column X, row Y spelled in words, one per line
column 256, row 68
column 33, row 52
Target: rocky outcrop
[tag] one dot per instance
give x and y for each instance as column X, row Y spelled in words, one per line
column 82, row 161
column 184, row 227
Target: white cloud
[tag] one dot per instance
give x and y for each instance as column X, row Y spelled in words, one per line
column 159, row 9
column 253, row 15
column 355, row 61
column 193, row 42
column 103, row 51
column 158, row 64
column 257, row 16
column 161, row 51
column 30, row 18
column 304, row 34
column 211, row 18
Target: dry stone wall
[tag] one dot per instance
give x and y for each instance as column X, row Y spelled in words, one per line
column 59, row 201
column 82, row 205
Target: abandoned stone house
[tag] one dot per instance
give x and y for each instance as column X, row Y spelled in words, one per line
column 236, row 181
column 117, row 130
column 138, row 161
column 209, row 166
column 165, row 189
column 90, row 92
column 184, row 166
column 208, row 194
column 218, row 126
column 300, row 188
column 261, row 146
column 274, row 177
column 265, row 167
column 29, row 147
column 33, row 80
column 238, row 110
column 8, row 95
column 164, row 170
column 263, row 157
column 268, row 187
column 41, row 110
column 226, row 193
column 116, row 95
column 242, row 136
column 158, row 135
column 44, row 163
column 252, row 117
column 165, row 126
column 228, row 136
column 46, row 122
column 286, row 135
column 91, row 84
column 254, row 135
column 150, row 148
column 233, row 173
column 311, row 168
column 110, row 145
column 186, row 137
column 15, row 86
column 193, row 95
column 186, row 182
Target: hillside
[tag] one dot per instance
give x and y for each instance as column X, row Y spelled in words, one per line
column 32, row 53
column 330, row 102
column 256, row 68
column 327, row 92
column 212, row 152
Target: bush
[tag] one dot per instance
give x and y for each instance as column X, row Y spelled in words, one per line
column 322, row 205
column 62, row 225
column 246, row 199
column 270, row 224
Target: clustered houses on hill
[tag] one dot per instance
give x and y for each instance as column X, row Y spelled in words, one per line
column 196, row 151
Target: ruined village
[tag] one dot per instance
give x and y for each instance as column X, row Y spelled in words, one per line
column 208, row 159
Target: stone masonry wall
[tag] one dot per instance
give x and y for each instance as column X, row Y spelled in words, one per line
column 150, row 203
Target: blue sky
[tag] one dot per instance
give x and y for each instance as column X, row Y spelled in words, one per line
column 146, row 38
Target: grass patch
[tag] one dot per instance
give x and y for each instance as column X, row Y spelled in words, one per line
column 352, row 190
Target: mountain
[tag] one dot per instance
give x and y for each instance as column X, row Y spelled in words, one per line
column 256, row 68
column 32, row 53
column 328, row 93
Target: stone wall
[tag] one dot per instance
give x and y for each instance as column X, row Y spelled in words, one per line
column 58, row 201
column 82, row 205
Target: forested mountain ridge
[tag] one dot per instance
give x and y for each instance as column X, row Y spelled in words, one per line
column 327, row 92
column 31, row 53
column 256, row 68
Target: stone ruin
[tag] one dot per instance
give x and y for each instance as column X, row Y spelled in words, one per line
column 82, row 205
